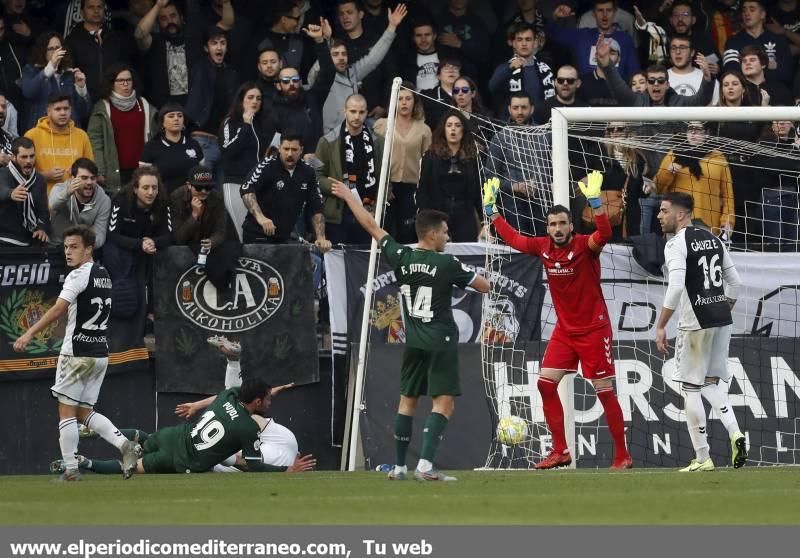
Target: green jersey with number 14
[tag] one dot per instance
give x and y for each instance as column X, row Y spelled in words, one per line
column 222, row 430
column 426, row 282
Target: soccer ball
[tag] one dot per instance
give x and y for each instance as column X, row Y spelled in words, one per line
column 512, row 430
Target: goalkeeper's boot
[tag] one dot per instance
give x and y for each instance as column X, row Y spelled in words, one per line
column 739, row 450
column 433, row 475
column 695, row 466
column 555, row 459
column 70, row 475
column 621, row 463
column 131, row 452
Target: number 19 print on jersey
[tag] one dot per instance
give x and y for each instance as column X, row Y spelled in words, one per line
column 703, row 303
column 87, row 289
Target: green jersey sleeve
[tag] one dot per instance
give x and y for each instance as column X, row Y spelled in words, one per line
column 460, row 275
column 392, row 251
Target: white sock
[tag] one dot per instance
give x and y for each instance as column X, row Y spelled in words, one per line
column 233, row 374
column 106, row 429
column 696, row 421
column 399, row 469
column 718, row 398
column 68, row 440
column 424, row 465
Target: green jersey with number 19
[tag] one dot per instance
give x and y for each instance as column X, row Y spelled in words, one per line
column 426, row 282
column 222, row 430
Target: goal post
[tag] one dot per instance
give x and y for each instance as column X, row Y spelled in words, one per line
column 765, row 388
column 356, row 404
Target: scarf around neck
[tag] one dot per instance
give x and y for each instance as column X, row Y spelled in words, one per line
column 358, row 161
column 123, row 103
column 29, row 218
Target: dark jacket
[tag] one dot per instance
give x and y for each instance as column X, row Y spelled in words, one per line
column 213, row 224
column 10, row 73
column 243, row 146
column 37, row 87
column 301, row 114
column 456, row 193
column 11, row 226
column 93, row 58
column 129, row 224
column 436, row 102
column 282, row 197
column 201, row 90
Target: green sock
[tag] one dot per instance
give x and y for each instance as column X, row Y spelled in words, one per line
column 434, row 430
column 110, row 467
column 139, row 436
column 402, row 436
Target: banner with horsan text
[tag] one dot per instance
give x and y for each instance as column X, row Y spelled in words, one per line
column 269, row 310
column 764, row 393
column 30, row 282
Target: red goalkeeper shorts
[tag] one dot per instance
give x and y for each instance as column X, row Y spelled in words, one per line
column 593, row 350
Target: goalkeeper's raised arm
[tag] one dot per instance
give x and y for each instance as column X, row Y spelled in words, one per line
column 560, row 231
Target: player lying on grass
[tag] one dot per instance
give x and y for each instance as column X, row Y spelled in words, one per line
column 583, row 332
column 223, row 430
column 430, row 357
column 703, row 281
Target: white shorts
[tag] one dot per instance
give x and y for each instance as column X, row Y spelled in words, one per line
column 78, row 380
column 278, row 448
column 702, row 353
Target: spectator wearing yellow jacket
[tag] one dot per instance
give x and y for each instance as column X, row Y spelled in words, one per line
column 704, row 173
column 58, row 142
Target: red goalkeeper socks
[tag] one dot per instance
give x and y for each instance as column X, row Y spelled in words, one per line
column 553, row 412
column 616, row 424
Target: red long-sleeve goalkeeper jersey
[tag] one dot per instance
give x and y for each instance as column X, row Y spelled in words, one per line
column 573, row 273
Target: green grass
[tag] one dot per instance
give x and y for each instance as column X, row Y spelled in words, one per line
column 654, row 496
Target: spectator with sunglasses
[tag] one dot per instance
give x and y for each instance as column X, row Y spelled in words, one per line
column 200, row 221
column 567, row 85
column 659, row 92
column 295, row 108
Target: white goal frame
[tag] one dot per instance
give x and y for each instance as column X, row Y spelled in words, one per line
column 561, row 117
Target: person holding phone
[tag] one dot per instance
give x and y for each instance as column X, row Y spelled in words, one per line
column 50, row 71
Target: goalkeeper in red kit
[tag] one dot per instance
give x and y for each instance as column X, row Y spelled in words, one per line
column 583, row 331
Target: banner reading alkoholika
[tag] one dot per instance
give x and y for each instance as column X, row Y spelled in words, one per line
column 269, row 310
column 512, row 315
column 30, row 282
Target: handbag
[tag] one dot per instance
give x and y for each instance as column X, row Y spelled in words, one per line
column 614, row 203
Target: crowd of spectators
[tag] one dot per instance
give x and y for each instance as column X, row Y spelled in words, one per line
column 209, row 123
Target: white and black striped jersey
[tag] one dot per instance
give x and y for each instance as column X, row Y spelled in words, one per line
column 87, row 289
column 704, row 261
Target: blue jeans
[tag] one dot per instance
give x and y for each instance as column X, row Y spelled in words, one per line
column 780, row 218
column 211, row 155
column 649, row 207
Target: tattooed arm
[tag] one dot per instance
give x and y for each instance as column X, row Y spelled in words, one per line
column 318, row 219
column 254, row 209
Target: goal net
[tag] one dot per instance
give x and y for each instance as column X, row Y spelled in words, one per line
column 746, row 191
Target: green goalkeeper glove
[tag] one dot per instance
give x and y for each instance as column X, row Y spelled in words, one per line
column 592, row 190
column 490, row 188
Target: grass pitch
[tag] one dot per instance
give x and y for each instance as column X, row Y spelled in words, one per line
column 766, row 496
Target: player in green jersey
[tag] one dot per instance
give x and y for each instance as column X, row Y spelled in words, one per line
column 225, row 428
column 430, row 360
